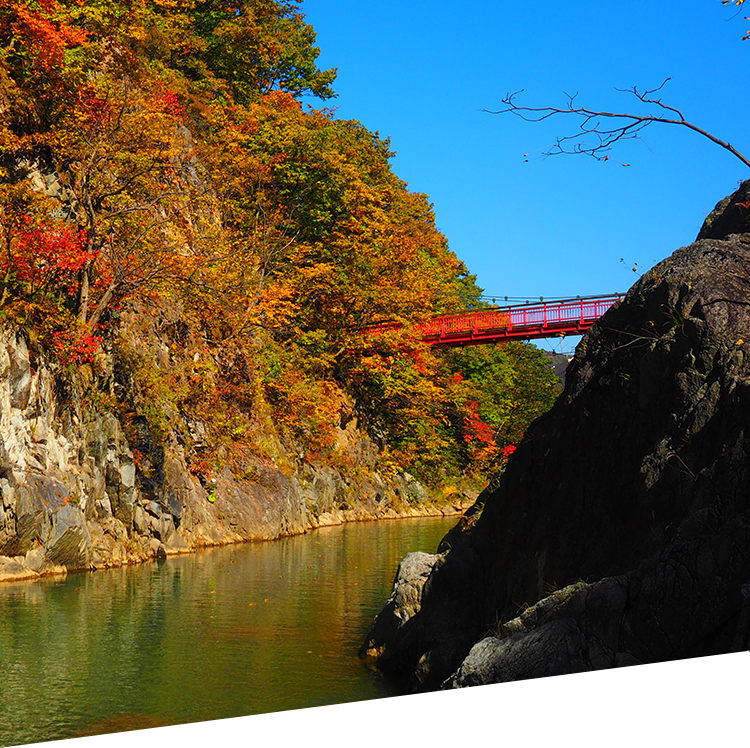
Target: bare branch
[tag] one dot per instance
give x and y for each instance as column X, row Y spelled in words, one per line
column 596, row 139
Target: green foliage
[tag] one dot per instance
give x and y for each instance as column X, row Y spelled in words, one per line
column 260, row 46
column 306, row 405
column 455, row 411
column 514, row 384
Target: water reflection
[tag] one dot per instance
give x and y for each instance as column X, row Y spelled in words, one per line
column 224, row 633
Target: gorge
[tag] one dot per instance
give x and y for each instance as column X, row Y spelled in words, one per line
column 192, row 248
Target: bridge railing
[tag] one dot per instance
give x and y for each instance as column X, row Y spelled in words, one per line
column 484, row 325
column 465, row 322
column 572, row 310
column 544, row 315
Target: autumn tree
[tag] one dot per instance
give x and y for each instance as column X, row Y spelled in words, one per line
column 124, row 163
column 259, row 47
column 157, row 153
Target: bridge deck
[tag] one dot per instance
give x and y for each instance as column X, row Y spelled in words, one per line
column 524, row 322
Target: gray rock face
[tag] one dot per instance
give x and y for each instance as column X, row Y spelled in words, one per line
column 392, row 623
column 730, row 216
column 57, row 464
column 637, row 481
column 77, row 493
column 603, row 665
column 69, row 543
column 627, row 661
column 19, row 375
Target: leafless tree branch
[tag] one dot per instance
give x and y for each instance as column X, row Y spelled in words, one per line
column 595, row 135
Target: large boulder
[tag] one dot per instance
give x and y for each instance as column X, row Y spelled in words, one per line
column 640, row 473
column 392, row 624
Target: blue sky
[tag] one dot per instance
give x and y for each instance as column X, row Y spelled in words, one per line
column 421, row 73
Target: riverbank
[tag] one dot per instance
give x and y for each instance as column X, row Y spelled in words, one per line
column 329, row 519
column 85, row 485
column 22, row 567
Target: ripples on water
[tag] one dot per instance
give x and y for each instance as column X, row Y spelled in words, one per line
column 228, row 632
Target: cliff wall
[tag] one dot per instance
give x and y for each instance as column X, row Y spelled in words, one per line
column 87, row 484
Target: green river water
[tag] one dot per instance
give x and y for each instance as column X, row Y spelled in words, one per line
column 227, row 632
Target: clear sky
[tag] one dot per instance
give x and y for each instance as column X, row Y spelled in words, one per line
column 421, row 73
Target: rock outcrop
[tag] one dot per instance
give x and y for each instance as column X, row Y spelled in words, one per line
column 403, row 604
column 80, row 489
column 634, row 488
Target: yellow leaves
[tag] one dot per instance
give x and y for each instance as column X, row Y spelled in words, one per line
column 277, row 307
column 135, row 179
column 172, row 5
column 281, row 101
column 304, row 404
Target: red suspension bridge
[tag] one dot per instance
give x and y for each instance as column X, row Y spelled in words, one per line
column 522, row 322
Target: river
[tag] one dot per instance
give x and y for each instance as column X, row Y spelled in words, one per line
column 225, row 632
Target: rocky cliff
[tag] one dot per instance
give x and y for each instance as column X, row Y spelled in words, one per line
column 620, row 531
column 86, row 483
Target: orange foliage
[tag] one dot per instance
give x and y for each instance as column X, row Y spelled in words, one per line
column 42, row 29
